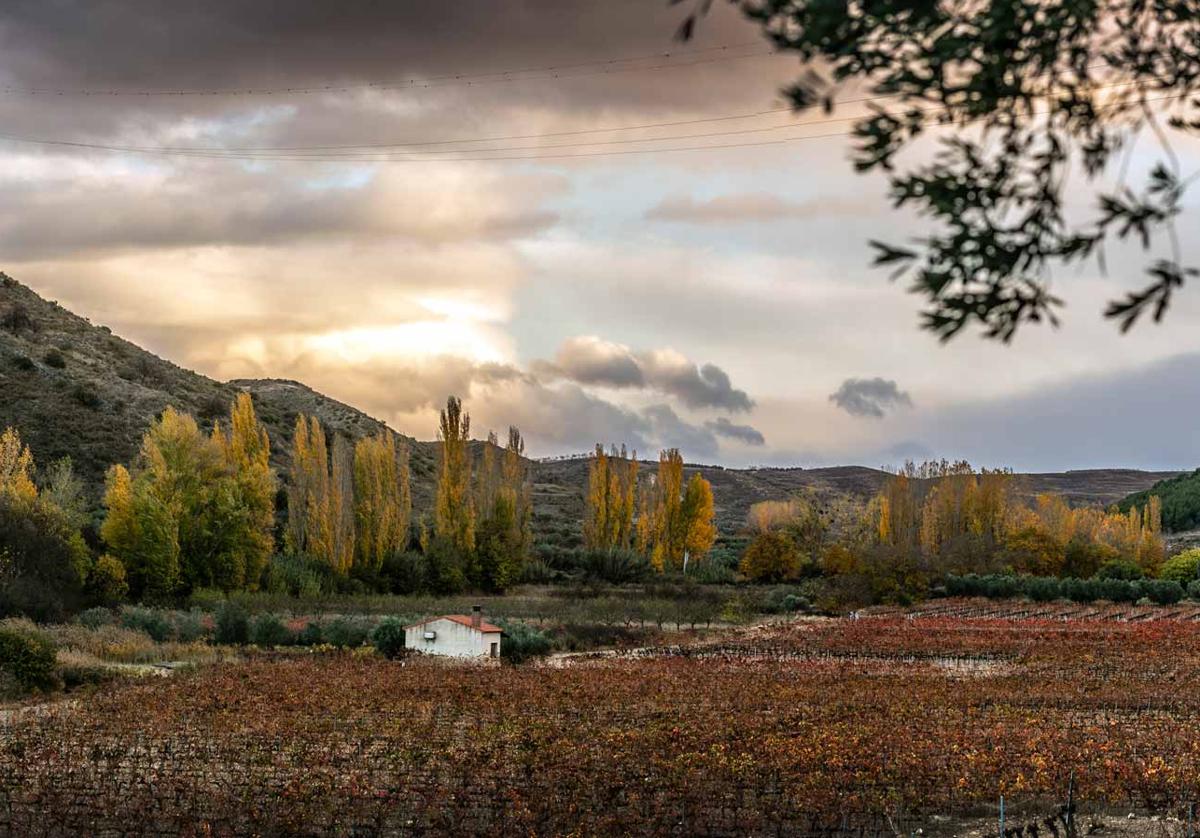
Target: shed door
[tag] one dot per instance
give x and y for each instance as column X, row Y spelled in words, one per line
column 495, row 650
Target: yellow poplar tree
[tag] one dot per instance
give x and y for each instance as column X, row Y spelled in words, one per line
column 611, row 499
column 454, row 510
column 16, row 467
column 382, row 499
column 700, row 531
column 247, row 449
column 341, row 504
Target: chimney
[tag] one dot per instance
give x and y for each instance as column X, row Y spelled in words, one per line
column 476, row 616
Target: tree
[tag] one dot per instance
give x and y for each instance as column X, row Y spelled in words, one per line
column 675, row 525
column 247, row 451
column 1034, row 91
column 700, row 531
column 16, row 467
column 341, row 504
column 43, row 560
column 770, row 557
column 611, row 499
column 382, row 498
column 454, row 510
column 194, row 511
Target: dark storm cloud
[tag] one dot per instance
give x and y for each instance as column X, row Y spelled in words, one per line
column 742, row 433
column 869, row 397
column 592, row 360
column 229, row 45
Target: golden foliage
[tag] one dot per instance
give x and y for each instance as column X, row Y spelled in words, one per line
column 382, row 498
column 454, row 508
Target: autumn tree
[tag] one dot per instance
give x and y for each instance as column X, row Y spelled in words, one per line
column 341, row 504
column 611, row 499
column 454, row 508
column 382, row 498
column 193, row 510
column 43, row 559
column 770, row 557
column 675, row 525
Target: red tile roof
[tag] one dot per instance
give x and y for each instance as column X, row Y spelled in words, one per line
column 461, row 619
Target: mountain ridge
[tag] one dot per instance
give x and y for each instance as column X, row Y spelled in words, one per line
column 72, row 388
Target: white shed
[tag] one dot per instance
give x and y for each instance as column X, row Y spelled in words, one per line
column 455, row 635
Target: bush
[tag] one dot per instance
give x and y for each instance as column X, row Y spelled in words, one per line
column 148, row 620
column 28, row 656
column 106, row 582
column 207, row 599
column 22, row 363
column 1120, row 569
column 45, row 560
column 189, row 626
column 55, row 358
column 1161, row 591
column 311, row 635
column 1042, row 588
column 87, row 396
column 522, row 642
column 268, row 630
column 233, row 624
column 1182, row 568
column 388, row 638
column 617, row 567
column 1193, row 589
column 94, row 618
column 345, row 632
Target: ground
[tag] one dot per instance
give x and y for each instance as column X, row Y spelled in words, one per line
column 876, row 726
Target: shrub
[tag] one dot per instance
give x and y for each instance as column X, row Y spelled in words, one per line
column 617, row 567
column 106, row 582
column 311, row 635
column 17, row 319
column 189, row 626
column 1042, row 588
column 1120, row 569
column 1182, row 568
column 233, row 624
column 28, row 656
column 22, row 363
column 771, row 557
column 149, row 620
column 522, row 642
column 388, row 638
column 44, row 559
column 1161, row 591
column 55, row 358
column 1193, row 589
column 93, row 618
column 345, row 632
column 268, row 630
column 87, row 396
column 207, row 599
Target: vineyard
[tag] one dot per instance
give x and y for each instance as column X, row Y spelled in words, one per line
column 869, row 726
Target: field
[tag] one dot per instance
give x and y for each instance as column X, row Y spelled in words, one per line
column 878, row 724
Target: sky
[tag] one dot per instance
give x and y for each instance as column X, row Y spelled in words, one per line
column 702, row 283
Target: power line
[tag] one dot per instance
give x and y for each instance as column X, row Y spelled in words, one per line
column 385, row 157
column 560, row 71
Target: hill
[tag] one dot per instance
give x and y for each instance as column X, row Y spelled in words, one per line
column 74, row 389
column 1180, row 496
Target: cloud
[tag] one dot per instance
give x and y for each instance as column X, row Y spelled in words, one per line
column 207, row 204
column 743, row 433
column 869, row 397
column 595, row 361
column 749, row 206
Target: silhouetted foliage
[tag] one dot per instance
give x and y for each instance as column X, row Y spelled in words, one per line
column 1034, row 92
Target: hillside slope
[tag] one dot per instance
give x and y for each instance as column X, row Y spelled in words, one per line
column 1180, row 497
column 75, row 389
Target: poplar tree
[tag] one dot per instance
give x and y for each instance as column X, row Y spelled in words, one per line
column 341, row 505
column 382, row 498
column 674, row 527
column 454, row 508
column 16, row 467
column 611, row 499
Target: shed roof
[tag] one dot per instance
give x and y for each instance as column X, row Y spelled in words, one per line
column 461, row 619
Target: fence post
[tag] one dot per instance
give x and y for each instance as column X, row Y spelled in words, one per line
column 1001, row 816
